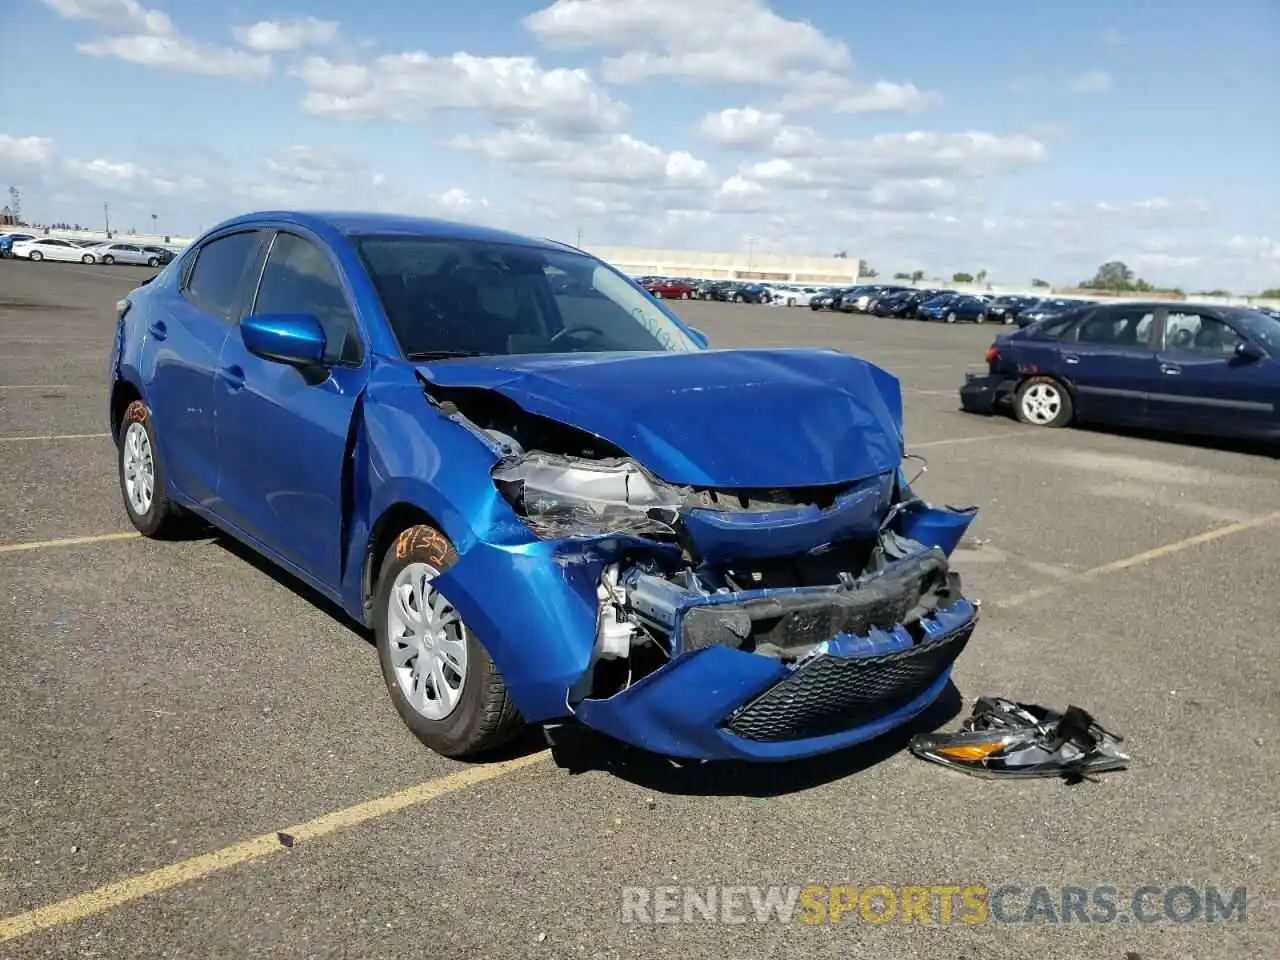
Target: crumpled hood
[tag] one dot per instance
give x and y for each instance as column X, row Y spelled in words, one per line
column 718, row 418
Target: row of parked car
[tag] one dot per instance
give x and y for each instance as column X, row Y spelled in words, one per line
column 26, row 246
column 881, row 300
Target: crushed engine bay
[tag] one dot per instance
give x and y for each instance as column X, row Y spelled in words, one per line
column 788, row 574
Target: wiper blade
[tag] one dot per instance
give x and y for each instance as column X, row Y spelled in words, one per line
column 444, row 354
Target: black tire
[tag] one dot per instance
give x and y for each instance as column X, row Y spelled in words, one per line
column 153, row 262
column 108, row 259
column 951, row 317
column 1062, row 412
column 162, row 518
column 87, row 258
column 35, row 256
column 684, row 296
column 485, row 716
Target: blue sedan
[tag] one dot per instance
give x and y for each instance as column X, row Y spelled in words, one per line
column 543, row 492
column 1177, row 367
column 954, row 308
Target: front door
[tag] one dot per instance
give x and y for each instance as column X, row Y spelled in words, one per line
column 282, row 430
column 1206, row 387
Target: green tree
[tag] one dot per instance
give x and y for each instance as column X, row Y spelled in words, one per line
column 917, row 276
column 1040, row 283
column 1114, row 276
column 1271, row 293
column 864, row 269
column 981, row 277
column 902, row 276
column 962, row 278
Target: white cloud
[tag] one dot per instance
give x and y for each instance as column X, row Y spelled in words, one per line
column 720, row 42
column 147, row 37
column 177, row 54
column 747, row 128
column 1091, row 81
column 23, row 151
column 282, row 36
column 122, row 15
column 712, row 41
column 615, row 158
column 407, row 86
column 107, row 174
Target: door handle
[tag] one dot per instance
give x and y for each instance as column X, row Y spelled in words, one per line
column 1071, row 358
column 1170, row 369
column 158, row 330
column 233, row 377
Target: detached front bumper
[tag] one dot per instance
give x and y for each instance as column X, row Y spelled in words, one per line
column 718, row 703
column 982, row 393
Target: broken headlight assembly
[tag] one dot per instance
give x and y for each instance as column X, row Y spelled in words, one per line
column 562, row 496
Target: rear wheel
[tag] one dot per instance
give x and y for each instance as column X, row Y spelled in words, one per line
column 1044, row 402
column 1008, row 319
column 108, row 259
column 141, row 481
column 951, row 318
column 440, row 678
column 87, row 258
column 153, row 262
column 35, row 255
column 684, row 296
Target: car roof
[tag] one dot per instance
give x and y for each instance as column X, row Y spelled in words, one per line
column 356, row 223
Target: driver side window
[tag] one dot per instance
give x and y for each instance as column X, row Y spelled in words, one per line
column 298, row 278
column 1194, row 333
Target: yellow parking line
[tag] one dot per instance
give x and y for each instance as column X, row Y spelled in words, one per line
column 155, row 881
column 55, row 436
column 66, row 542
column 1156, row 553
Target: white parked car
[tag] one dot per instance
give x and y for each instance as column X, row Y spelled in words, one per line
column 51, row 248
column 798, row 296
column 131, row 253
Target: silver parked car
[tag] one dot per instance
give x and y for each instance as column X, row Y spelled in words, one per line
column 129, row 253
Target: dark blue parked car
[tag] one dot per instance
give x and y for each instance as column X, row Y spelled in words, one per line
column 1170, row 366
column 549, row 500
column 955, row 308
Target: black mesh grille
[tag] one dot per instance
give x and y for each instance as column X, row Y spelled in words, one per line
column 830, row 694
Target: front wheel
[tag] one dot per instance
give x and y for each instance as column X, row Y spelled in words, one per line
column 684, row 296
column 1008, row 319
column 153, row 262
column 141, row 481
column 951, row 318
column 87, row 258
column 441, row 679
column 1044, row 402
column 108, row 259
column 35, row 256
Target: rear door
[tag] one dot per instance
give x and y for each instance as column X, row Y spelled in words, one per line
column 1204, row 386
column 1111, row 363
column 184, row 337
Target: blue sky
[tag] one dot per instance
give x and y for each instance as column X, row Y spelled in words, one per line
column 1026, row 139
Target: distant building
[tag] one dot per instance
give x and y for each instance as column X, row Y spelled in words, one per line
column 7, row 219
column 766, row 267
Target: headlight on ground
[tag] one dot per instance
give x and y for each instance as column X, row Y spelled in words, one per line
column 568, row 496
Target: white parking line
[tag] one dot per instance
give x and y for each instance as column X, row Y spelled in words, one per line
column 46, row 437
column 956, row 440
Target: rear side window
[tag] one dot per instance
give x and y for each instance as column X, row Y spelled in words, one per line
column 1118, row 327
column 214, row 280
column 1057, row 329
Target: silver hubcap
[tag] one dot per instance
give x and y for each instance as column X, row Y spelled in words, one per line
column 428, row 643
column 139, row 468
column 1041, row 403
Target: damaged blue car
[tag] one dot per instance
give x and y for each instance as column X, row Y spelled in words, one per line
column 546, row 495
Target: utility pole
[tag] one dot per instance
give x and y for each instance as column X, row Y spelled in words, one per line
column 106, row 218
column 579, row 243
column 154, row 233
column 15, row 205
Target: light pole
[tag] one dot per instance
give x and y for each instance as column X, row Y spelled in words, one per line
column 106, row 218
column 154, row 231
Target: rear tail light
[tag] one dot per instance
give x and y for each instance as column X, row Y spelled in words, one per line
column 993, row 353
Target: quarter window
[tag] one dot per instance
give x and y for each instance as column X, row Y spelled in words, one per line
column 298, row 278
column 220, row 264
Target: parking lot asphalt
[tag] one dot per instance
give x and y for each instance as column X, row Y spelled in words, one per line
column 167, row 701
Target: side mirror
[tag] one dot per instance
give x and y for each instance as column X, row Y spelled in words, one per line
column 295, row 338
column 699, row 336
column 1247, row 352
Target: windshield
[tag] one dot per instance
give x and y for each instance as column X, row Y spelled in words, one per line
column 447, row 297
column 1265, row 328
